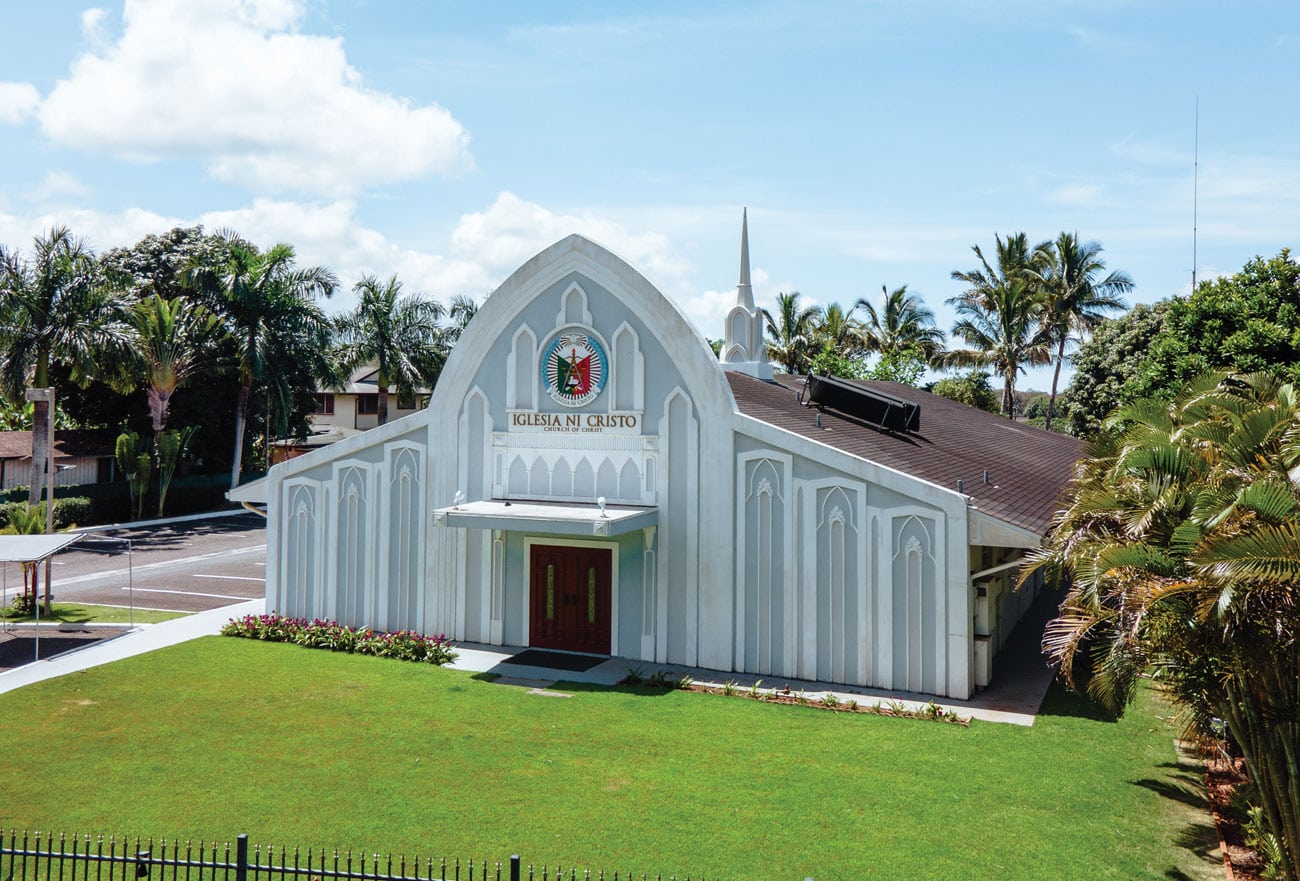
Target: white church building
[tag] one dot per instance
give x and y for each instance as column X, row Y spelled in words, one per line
column 589, row 477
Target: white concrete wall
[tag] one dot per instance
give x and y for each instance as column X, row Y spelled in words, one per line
column 82, row 470
column 773, row 554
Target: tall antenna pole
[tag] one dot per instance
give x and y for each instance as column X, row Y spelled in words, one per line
column 1196, row 171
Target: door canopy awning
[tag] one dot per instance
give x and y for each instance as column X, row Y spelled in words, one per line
column 554, row 518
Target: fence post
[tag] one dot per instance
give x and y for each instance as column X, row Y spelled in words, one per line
column 241, row 857
column 514, row 867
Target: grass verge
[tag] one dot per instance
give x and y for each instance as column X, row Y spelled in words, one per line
column 296, row 747
column 75, row 613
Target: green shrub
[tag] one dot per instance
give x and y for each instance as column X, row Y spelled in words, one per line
column 73, row 511
column 973, row 390
column 325, row 634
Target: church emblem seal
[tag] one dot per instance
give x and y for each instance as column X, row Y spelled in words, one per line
column 574, row 367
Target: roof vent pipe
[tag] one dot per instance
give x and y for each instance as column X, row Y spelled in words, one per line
column 961, row 488
column 986, row 475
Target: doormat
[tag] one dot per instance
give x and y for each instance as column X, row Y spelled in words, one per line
column 554, row 660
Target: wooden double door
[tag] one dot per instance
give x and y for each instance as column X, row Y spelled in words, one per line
column 569, row 598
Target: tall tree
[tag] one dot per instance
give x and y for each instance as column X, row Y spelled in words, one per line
column 268, row 305
column 902, row 322
column 1181, row 546
column 841, row 331
column 1107, row 363
column 1076, row 298
column 791, row 332
column 459, row 314
column 174, row 341
column 1002, row 331
column 397, row 334
column 999, row 313
column 1013, row 260
column 56, row 306
column 157, row 263
column 1244, row 322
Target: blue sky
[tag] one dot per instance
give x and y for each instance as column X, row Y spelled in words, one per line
column 873, row 143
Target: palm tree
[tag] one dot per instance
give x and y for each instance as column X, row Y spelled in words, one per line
column 461, row 311
column 791, row 332
column 174, row 341
column 1003, row 332
column 1075, row 299
column 268, row 306
column 1015, row 260
column 841, row 331
column 400, row 335
column 1180, row 543
column 903, row 323
column 999, row 310
column 55, row 306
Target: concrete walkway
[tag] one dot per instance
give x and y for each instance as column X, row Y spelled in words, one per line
column 1020, row 682
column 1021, row 675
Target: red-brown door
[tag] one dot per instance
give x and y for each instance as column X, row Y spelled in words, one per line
column 569, row 602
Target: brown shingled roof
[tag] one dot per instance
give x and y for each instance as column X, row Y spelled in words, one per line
column 1028, row 467
column 68, row 443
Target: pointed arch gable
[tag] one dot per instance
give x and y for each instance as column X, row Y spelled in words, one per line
column 573, row 307
column 475, row 425
column 629, row 370
column 521, row 380
column 734, row 354
column 679, row 338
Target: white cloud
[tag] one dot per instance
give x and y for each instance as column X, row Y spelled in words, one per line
column 1076, row 195
column 57, row 185
column 92, row 24
column 329, row 234
column 908, row 243
column 484, row 248
column 511, row 230
column 234, row 83
column 101, row 230
column 17, row 102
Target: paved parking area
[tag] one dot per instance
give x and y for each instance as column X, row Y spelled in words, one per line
column 185, row 566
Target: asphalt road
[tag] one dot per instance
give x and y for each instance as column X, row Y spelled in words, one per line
column 185, row 567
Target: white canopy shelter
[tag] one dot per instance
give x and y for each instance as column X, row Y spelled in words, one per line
column 34, row 548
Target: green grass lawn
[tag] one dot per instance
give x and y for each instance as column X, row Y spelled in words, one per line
column 76, row 613
column 300, row 747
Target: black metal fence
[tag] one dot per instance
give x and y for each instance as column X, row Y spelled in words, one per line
column 36, row 856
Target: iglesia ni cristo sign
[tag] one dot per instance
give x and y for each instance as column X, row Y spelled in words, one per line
column 574, row 371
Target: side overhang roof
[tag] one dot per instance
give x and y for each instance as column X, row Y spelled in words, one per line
column 253, row 492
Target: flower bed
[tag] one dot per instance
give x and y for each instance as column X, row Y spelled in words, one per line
column 828, row 701
column 320, row 633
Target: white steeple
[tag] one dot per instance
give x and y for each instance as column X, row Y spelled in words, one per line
column 743, row 347
column 744, row 292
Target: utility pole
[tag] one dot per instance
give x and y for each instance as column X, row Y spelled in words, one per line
column 1196, row 178
column 43, row 426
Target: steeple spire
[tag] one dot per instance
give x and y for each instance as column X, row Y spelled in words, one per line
column 744, row 292
column 743, row 347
